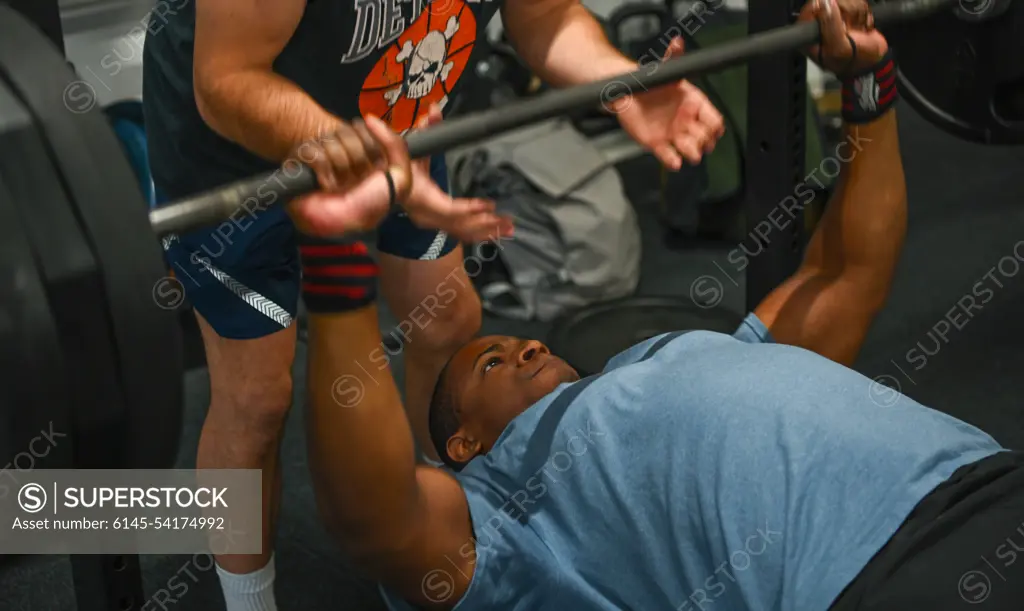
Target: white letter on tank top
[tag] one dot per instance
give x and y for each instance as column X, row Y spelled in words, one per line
column 393, row 23
column 366, row 32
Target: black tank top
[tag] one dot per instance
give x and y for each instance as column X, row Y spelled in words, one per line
column 391, row 58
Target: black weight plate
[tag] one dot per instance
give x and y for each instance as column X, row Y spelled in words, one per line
column 952, row 71
column 32, row 395
column 588, row 338
column 102, row 188
column 69, row 272
column 641, row 29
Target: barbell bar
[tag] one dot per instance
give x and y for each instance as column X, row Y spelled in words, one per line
column 217, row 205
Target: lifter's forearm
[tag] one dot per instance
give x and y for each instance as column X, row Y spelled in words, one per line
column 828, row 305
column 261, row 111
column 865, row 223
column 360, row 445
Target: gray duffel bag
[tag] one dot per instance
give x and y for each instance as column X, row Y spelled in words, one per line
column 577, row 241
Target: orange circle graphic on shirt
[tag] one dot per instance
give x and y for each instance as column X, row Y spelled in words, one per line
column 422, row 66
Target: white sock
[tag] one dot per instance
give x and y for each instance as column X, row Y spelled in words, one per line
column 249, row 591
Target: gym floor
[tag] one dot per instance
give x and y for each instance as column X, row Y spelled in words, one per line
column 966, row 215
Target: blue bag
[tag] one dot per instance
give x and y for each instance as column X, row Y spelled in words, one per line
column 127, row 120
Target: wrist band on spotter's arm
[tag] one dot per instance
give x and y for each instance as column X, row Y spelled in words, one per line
column 392, row 193
column 868, row 94
column 393, row 204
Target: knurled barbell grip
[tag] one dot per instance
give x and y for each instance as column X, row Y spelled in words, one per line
column 248, row 196
column 295, row 179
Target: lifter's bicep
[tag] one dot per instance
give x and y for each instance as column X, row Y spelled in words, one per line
column 238, row 35
column 820, row 312
column 434, row 569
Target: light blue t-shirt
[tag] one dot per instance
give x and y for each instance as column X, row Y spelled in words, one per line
column 702, row 471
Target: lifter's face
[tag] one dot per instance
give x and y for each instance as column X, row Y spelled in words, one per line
column 494, row 379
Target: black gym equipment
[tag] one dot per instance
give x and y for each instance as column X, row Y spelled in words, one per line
column 960, row 85
column 106, row 370
column 46, row 15
column 33, row 346
column 636, row 28
column 104, row 197
column 87, row 343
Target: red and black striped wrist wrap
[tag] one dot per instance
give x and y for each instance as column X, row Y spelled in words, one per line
column 869, row 94
column 337, row 276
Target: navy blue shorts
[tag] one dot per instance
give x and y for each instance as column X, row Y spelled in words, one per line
column 245, row 275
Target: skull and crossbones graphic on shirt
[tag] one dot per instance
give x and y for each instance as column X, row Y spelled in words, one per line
column 425, row 63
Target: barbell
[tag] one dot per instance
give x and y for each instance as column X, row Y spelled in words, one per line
column 85, row 320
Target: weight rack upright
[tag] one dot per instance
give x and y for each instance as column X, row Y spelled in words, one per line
column 775, row 155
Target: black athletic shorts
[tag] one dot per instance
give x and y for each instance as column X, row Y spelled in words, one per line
column 961, row 548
